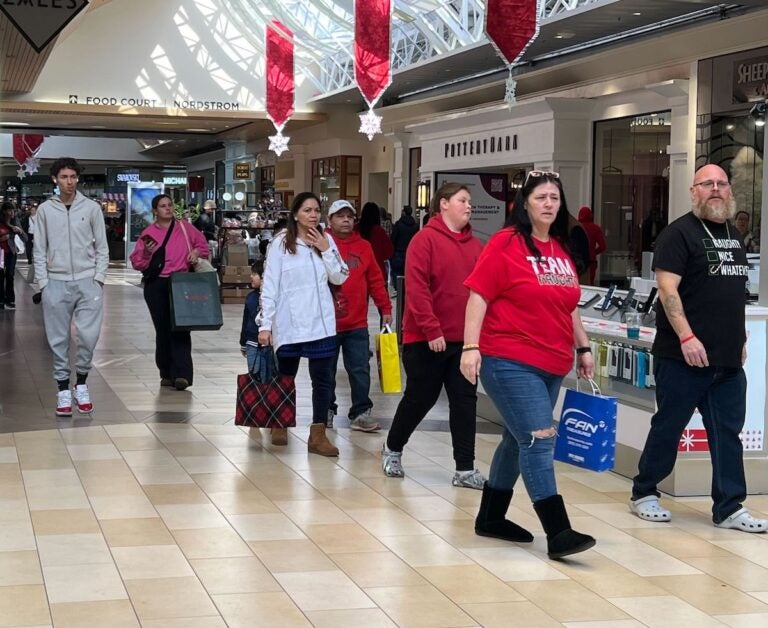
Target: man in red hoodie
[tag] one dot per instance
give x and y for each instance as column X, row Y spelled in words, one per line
column 440, row 258
column 351, row 303
column 596, row 240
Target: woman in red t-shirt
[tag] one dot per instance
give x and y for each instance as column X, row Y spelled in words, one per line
column 522, row 319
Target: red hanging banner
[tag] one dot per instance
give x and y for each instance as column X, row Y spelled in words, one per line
column 511, row 26
column 280, row 81
column 373, row 26
column 25, row 146
column 372, row 47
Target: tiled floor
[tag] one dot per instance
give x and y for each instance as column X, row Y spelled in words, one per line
column 158, row 512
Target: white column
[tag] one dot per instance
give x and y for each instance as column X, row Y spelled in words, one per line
column 762, row 298
column 400, row 176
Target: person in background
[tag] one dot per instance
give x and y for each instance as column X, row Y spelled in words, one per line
column 700, row 348
column 28, row 221
column 386, row 220
column 522, row 326
column 205, row 221
column 249, row 330
column 370, row 229
column 173, row 349
column 651, row 228
column 402, row 234
column 9, row 229
column 351, row 303
column 297, row 312
column 70, row 272
column 440, row 258
column 741, row 221
column 595, row 238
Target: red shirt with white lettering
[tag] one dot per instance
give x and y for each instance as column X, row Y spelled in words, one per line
column 530, row 302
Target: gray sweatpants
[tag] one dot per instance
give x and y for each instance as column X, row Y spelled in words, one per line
column 62, row 301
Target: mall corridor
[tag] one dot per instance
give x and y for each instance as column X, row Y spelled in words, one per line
column 158, row 512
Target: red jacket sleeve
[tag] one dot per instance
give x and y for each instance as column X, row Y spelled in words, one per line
column 375, row 283
column 418, row 300
column 599, row 241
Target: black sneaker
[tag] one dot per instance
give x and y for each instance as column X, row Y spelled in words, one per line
column 180, row 383
column 10, row 306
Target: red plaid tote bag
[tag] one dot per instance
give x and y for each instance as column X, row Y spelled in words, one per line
column 265, row 398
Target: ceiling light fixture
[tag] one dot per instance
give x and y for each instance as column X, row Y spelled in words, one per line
column 14, row 123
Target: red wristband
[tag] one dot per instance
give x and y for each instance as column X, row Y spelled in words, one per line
column 687, row 338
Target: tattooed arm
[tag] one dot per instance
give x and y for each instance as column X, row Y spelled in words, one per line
column 693, row 351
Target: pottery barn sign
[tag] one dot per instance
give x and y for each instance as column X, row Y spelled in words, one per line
column 39, row 21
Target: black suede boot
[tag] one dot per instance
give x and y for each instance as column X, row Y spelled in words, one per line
column 490, row 519
column 561, row 539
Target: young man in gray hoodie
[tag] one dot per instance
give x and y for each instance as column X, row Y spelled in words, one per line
column 71, row 258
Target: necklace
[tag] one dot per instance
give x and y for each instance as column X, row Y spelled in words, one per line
column 709, row 233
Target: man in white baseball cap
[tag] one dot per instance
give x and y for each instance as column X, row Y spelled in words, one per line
column 351, row 303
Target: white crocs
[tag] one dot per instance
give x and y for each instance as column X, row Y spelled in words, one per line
column 742, row 520
column 648, row 508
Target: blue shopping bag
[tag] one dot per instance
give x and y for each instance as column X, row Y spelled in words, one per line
column 586, row 436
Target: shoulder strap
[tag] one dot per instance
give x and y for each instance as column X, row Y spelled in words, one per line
column 167, row 235
column 186, row 237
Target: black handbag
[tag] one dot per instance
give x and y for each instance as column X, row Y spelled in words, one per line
column 157, row 262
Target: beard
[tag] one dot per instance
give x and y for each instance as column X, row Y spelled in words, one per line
column 724, row 212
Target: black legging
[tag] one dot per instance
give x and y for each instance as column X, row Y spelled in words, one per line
column 320, row 374
column 427, row 372
column 7, row 277
column 173, row 349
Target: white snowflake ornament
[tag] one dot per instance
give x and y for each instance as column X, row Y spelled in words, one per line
column 370, row 124
column 32, row 165
column 278, row 143
column 510, row 93
column 21, row 173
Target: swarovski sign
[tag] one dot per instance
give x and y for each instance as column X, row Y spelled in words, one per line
column 39, row 21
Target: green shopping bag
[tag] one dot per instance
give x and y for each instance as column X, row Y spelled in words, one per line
column 195, row 304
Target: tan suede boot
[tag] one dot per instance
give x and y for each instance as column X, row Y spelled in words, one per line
column 318, row 441
column 280, row 436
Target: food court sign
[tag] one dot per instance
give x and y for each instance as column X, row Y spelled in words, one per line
column 39, row 21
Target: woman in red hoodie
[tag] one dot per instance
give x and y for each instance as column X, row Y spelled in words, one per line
column 440, row 258
column 370, row 229
column 596, row 240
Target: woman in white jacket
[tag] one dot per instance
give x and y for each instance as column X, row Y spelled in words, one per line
column 298, row 317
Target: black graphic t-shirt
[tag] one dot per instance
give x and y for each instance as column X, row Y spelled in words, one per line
column 711, row 259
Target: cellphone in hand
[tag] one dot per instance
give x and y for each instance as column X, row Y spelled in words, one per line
column 148, row 239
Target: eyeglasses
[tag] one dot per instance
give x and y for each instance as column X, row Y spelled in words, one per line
column 541, row 173
column 709, row 184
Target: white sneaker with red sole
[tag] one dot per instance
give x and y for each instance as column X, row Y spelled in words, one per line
column 83, row 399
column 64, row 403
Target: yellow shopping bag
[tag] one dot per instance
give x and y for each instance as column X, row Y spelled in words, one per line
column 388, row 359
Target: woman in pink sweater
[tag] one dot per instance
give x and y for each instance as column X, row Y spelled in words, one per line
column 183, row 245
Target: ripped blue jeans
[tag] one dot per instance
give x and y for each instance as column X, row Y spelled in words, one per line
column 525, row 397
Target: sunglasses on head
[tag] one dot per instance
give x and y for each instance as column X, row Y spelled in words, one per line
column 541, row 173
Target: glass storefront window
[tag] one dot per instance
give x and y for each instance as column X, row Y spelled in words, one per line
column 736, row 145
column 631, row 190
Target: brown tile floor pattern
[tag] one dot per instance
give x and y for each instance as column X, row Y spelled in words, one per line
column 158, row 512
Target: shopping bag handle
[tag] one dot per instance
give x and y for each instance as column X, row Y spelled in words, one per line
column 386, row 329
column 593, row 384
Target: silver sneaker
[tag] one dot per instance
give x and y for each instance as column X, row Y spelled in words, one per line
column 364, row 423
column 468, row 479
column 392, row 463
column 329, row 420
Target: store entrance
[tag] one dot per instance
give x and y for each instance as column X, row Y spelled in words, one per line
column 631, row 191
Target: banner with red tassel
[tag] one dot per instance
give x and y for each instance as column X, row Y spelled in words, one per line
column 511, row 26
column 280, row 82
column 373, row 68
